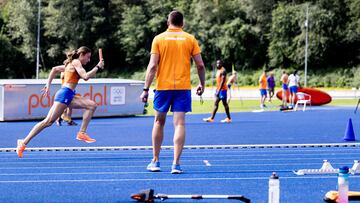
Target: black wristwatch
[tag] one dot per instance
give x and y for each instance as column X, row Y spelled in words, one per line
column 146, row 89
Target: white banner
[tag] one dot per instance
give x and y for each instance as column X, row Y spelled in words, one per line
column 22, row 99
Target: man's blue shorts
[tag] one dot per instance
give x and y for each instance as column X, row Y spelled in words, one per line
column 179, row 100
column 229, row 86
column 263, row 92
column 284, row 86
column 64, row 95
column 222, row 94
column 293, row 89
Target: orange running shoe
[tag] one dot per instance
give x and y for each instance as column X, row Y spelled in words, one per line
column 209, row 120
column 20, row 148
column 84, row 137
column 226, row 120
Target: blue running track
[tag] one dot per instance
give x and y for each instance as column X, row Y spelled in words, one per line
column 242, row 155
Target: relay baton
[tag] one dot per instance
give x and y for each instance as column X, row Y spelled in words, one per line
column 100, row 54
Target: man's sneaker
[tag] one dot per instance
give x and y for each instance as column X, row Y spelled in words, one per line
column 226, row 120
column 84, row 137
column 153, row 166
column 209, row 120
column 20, row 148
column 176, row 169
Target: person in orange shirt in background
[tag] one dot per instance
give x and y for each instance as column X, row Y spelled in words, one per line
column 221, row 93
column 65, row 97
column 284, row 88
column 263, row 87
column 170, row 60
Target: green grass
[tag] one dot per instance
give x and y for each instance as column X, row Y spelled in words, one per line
column 343, row 102
column 246, row 105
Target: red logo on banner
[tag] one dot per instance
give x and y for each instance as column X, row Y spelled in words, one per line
column 37, row 101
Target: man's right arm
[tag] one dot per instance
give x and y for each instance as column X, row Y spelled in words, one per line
column 150, row 74
column 201, row 72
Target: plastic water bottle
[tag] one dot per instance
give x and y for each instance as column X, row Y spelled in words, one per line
column 343, row 185
column 274, row 188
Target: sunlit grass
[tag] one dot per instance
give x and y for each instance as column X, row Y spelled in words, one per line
column 246, row 105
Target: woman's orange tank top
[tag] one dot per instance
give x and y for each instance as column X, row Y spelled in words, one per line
column 71, row 77
column 62, row 78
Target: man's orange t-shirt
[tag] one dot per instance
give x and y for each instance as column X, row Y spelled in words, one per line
column 219, row 75
column 175, row 48
column 284, row 78
column 263, row 81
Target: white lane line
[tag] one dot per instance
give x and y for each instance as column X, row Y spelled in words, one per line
column 317, row 164
column 167, row 179
column 243, row 146
column 73, row 173
column 187, row 161
column 119, row 157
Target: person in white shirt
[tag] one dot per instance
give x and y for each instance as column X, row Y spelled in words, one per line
column 293, row 83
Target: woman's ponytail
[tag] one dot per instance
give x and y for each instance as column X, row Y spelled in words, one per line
column 71, row 55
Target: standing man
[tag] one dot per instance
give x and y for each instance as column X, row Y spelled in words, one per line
column 230, row 82
column 262, row 88
column 170, row 60
column 271, row 85
column 221, row 93
column 284, row 88
column 293, row 87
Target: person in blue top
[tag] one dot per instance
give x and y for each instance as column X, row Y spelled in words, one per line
column 271, row 85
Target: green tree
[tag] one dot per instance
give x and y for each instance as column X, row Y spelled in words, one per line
column 134, row 35
column 259, row 13
column 71, row 24
column 284, row 28
column 353, row 30
column 225, row 32
column 21, row 25
column 141, row 21
column 246, row 33
column 67, row 24
column 287, row 36
column 11, row 60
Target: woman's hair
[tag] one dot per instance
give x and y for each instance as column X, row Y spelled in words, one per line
column 71, row 55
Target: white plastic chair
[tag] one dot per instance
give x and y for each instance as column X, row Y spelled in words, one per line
column 302, row 98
